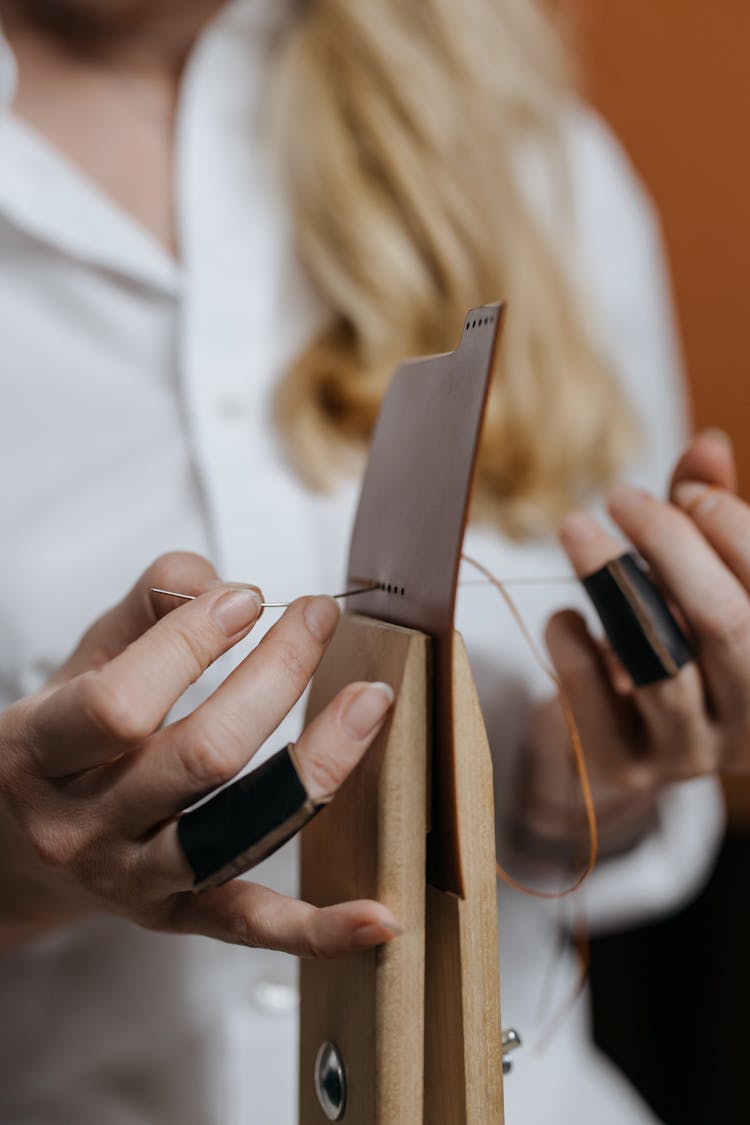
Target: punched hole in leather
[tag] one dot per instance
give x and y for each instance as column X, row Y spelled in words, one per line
column 638, row 622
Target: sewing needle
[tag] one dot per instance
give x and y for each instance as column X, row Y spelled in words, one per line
column 552, row 580
column 263, row 605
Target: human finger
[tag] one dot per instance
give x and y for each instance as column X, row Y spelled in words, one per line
column 207, row 748
column 101, row 713
column 248, row 820
column 607, row 724
column 709, row 458
column 722, row 518
column 589, row 547
column 138, row 611
column 711, row 598
column 673, row 707
column 640, row 626
column 248, row 914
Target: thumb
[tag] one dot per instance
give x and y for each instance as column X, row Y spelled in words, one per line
column 138, row 611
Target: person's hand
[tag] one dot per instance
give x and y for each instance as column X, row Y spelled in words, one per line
column 637, row 740
column 92, row 783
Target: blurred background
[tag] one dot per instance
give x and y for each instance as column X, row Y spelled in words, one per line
column 671, row 79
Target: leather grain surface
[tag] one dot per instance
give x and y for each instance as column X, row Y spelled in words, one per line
column 409, row 531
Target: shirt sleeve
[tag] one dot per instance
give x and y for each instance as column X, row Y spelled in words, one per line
column 622, row 250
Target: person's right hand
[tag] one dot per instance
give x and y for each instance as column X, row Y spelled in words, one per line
column 93, row 784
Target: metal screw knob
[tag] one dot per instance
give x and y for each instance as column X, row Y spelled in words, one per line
column 330, row 1081
column 511, row 1041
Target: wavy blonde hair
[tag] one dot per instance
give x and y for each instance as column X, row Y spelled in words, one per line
column 402, row 126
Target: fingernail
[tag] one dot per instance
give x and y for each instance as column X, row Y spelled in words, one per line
column 625, row 498
column 376, row 933
column 236, row 610
column 695, row 497
column 322, row 617
column 717, row 435
column 216, row 582
column 367, row 709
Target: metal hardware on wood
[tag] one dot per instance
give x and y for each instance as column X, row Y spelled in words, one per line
column 511, row 1042
column 330, row 1081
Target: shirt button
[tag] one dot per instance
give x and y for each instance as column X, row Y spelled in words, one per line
column 275, row 997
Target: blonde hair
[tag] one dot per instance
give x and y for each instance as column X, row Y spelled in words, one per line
column 402, row 127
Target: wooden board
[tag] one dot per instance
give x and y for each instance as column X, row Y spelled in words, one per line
column 463, row 1049
column 370, row 843
column 417, row 1022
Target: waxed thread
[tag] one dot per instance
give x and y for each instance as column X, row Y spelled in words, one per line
column 575, row 743
column 581, row 941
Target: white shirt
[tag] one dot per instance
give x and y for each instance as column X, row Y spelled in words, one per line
column 134, row 418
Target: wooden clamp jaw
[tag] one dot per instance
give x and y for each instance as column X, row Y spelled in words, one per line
column 416, row 1024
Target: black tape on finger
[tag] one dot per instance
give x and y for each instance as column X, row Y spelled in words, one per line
column 246, row 822
column 638, row 622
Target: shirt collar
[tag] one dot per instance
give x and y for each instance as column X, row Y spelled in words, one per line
column 77, row 218
column 44, row 195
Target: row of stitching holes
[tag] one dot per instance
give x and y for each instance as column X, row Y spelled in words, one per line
column 389, row 589
column 480, row 322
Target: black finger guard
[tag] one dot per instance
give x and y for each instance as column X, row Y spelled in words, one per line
column 246, row 822
column 638, row 622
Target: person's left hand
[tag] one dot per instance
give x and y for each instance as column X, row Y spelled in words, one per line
column 637, row 740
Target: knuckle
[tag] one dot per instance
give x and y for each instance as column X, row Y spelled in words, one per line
column 206, row 756
column 316, row 948
column 191, row 647
column 312, row 948
column 320, row 939
column 55, row 844
column 323, row 774
column 242, row 930
column 296, row 662
column 83, row 853
column 111, row 710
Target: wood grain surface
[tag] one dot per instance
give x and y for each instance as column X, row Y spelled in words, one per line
column 418, row 1021
column 370, row 843
column 463, row 1051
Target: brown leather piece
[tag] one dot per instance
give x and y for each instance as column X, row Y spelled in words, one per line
column 410, row 526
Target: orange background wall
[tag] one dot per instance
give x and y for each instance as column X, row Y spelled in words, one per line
column 673, row 78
